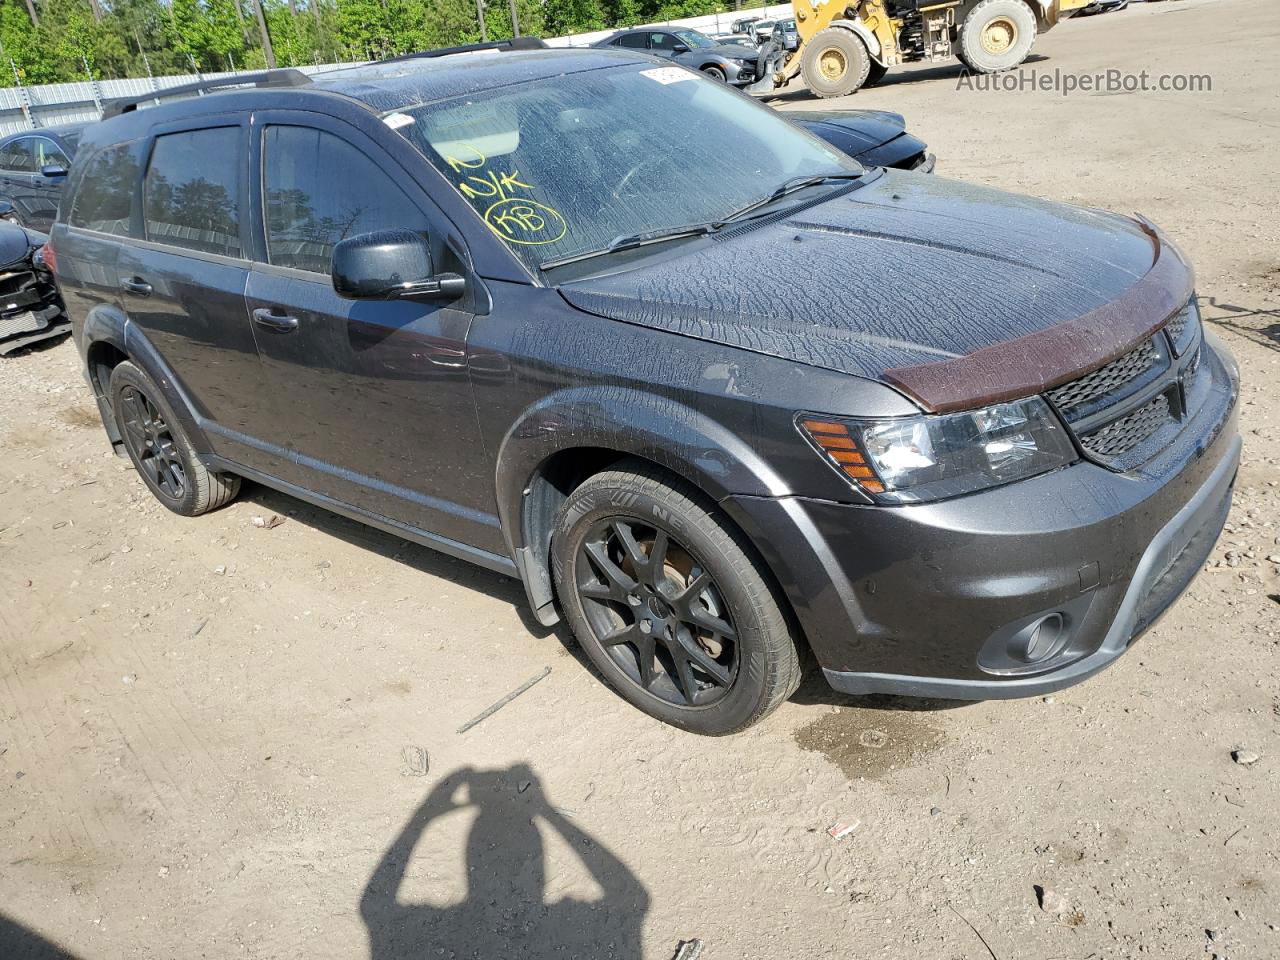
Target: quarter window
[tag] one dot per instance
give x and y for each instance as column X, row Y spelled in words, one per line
column 105, row 198
column 192, row 191
column 319, row 190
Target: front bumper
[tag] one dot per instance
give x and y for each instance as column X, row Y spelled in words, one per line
column 926, row 599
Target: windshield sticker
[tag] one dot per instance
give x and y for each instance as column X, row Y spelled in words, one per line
column 397, row 120
column 513, row 217
column 667, row 74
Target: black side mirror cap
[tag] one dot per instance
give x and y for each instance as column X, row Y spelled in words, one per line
column 53, row 170
column 679, row 48
column 390, row 265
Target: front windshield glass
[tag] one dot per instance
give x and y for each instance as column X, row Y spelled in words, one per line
column 693, row 39
column 565, row 165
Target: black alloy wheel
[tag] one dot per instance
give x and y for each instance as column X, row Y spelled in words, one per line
column 658, row 612
column 152, row 444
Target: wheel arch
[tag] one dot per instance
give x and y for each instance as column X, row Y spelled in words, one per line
column 863, row 33
column 577, row 433
column 109, row 339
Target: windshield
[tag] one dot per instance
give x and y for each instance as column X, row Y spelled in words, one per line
column 693, row 39
column 564, row 165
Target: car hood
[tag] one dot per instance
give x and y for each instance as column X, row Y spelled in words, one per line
column 15, row 244
column 730, row 51
column 866, row 128
column 907, row 270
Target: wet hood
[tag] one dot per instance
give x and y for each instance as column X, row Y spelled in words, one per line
column 907, row 270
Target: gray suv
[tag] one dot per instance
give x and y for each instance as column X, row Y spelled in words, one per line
column 483, row 299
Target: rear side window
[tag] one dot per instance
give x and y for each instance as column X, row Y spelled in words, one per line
column 319, row 190
column 636, row 41
column 105, row 198
column 191, row 197
column 19, row 156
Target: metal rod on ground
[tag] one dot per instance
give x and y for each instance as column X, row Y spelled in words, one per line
column 504, row 701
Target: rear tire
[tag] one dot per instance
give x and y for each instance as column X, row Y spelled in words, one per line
column 834, row 63
column 670, row 602
column 997, row 35
column 160, row 450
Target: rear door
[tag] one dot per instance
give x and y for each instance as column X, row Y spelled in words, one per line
column 183, row 282
column 369, row 401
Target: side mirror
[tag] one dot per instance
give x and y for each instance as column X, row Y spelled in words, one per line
column 390, row 265
column 53, row 170
column 680, row 48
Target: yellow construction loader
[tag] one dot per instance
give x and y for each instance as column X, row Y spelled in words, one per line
column 847, row 44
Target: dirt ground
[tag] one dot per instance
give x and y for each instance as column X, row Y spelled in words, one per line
column 219, row 740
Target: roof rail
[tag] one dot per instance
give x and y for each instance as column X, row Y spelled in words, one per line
column 287, row 77
column 515, row 43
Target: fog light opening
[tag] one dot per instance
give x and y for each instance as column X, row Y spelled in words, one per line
column 1040, row 640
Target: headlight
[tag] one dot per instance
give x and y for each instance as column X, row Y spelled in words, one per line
column 912, row 459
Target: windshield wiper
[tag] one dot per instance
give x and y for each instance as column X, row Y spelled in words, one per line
column 789, row 186
column 629, row 241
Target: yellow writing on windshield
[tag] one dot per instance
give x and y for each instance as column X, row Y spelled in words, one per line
column 515, row 218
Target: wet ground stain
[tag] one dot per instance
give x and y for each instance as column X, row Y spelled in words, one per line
column 80, row 416
column 870, row 743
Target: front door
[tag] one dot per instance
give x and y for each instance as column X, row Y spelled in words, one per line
column 370, row 400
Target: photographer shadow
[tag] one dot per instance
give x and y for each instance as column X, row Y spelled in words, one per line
column 504, row 913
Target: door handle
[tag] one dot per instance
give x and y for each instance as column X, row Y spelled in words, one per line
column 266, row 318
column 135, row 285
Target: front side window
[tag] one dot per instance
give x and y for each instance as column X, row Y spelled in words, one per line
column 105, row 198
column 562, row 166
column 191, row 197
column 47, row 152
column 662, row 41
column 319, row 189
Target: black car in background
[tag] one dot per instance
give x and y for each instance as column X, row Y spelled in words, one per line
column 730, row 62
column 506, row 303
column 875, row 137
column 30, row 307
column 33, row 168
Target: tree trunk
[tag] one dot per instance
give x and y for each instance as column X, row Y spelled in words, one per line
column 266, row 37
column 31, row 11
column 315, row 9
column 97, row 11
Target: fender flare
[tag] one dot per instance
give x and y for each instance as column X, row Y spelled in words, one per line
column 622, row 420
column 106, row 323
column 868, row 38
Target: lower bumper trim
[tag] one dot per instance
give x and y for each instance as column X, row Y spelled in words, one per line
column 1188, row 536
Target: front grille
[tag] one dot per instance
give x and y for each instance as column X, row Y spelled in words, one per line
column 1120, row 436
column 1105, row 381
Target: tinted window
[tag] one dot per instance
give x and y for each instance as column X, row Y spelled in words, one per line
column 636, row 41
column 662, row 41
column 192, row 191
column 105, row 197
column 19, row 156
column 319, row 190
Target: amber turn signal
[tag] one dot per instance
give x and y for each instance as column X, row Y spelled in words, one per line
column 834, row 439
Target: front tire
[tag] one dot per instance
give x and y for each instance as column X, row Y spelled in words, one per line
column 160, row 450
column 997, row 35
column 714, row 72
column 670, row 602
column 834, row 63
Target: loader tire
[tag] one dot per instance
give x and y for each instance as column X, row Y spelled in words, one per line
column 834, row 63
column 996, row 35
